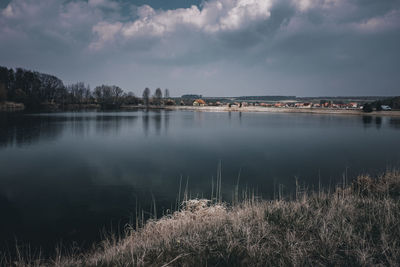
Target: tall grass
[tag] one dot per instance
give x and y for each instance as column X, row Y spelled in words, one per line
column 356, row 224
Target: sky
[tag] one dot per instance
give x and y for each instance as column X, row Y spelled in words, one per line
column 213, row 47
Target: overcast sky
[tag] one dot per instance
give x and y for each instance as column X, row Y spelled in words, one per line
column 214, row 47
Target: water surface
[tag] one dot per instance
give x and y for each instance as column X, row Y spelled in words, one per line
column 67, row 176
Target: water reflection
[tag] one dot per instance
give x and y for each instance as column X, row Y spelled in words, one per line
column 378, row 122
column 145, row 122
column 80, row 171
column 367, row 120
column 20, row 129
column 159, row 119
column 112, row 124
column 166, row 121
column 157, row 122
column 395, row 123
column 24, row 130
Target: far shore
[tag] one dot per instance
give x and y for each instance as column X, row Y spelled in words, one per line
column 285, row 110
column 11, row 106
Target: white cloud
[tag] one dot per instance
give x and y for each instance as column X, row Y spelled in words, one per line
column 389, row 21
column 103, row 3
column 246, row 11
column 106, row 32
column 305, row 5
column 215, row 16
column 8, row 11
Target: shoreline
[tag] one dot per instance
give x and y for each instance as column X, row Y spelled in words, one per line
column 13, row 107
column 285, row 110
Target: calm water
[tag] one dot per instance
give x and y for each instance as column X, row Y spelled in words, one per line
column 66, row 176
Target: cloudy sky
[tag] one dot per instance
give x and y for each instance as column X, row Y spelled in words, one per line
column 213, row 47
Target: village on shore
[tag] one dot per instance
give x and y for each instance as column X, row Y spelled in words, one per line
column 340, row 105
column 282, row 102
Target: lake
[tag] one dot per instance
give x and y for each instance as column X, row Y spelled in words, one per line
column 67, row 177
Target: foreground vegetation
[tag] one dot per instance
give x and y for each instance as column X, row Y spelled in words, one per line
column 353, row 225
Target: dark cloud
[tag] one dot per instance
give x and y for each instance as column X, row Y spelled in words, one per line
column 217, row 47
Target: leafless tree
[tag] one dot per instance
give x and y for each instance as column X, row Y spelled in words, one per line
column 130, row 99
column 3, row 93
column 79, row 92
column 158, row 96
column 146, row 96
column 108, row 96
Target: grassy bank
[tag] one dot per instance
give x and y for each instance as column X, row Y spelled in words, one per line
column 353, row 225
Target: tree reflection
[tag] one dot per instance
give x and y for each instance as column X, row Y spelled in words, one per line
column 17, row 129
column 378, row 122
column 157, row 122
column 24, row 129
column 145, row 122
column 367, row 120
column 166, row 120
column 394, row 123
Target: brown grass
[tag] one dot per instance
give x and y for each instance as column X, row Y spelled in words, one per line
column 355, row 225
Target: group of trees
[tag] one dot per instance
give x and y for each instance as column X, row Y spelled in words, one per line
column 3, row 93
column 35, row 89
column 30, row 88
column 157, row 99
column 393, row 102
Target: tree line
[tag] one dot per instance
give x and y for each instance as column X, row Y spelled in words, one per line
column 37, row 90
column 392, row 102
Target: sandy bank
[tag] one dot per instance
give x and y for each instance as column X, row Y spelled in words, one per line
column 285, row 110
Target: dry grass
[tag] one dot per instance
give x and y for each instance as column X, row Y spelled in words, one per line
column 356, row 225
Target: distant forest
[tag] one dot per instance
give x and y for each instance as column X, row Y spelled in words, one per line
column 38, row 90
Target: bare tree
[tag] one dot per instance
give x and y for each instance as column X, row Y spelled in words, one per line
column 87, row 94
column 116, row 93
column 98, row 94
column 50, row 87
column 130, row 99
column 146, row 95
column 78, row 92
column 158, row 96
column 108, row 96
column 166, row 93
column 3, row 93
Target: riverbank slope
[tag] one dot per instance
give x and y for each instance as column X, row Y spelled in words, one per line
column 351, row 225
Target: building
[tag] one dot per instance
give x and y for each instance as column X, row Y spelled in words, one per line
column 199, row 102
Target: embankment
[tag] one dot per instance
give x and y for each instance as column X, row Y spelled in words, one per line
column 356, row 225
